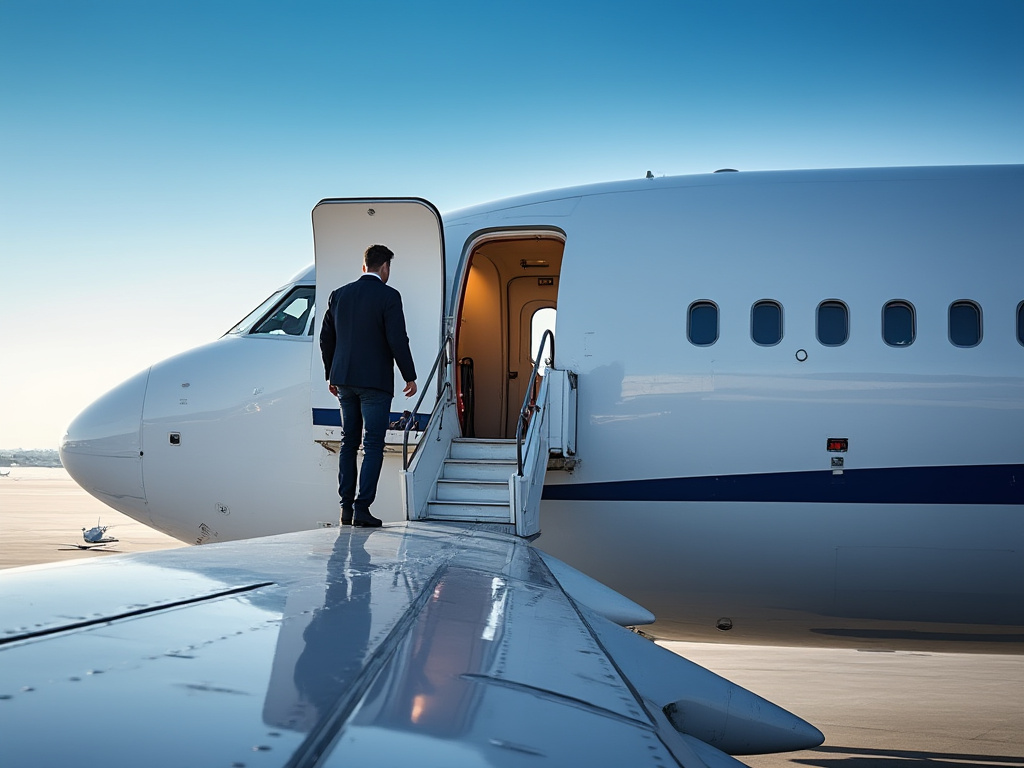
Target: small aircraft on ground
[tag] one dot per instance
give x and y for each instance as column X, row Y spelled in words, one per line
column 95, row 538
column 97, row 534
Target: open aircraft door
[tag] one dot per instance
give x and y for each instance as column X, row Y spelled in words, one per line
column 411, row 227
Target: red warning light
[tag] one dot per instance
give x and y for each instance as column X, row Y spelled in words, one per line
column 838, row 444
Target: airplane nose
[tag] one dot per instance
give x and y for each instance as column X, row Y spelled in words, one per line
column 102, row 449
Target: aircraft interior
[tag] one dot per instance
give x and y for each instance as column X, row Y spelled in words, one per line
column 508, row 299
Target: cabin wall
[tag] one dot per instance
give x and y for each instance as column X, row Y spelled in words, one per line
column 481, row 340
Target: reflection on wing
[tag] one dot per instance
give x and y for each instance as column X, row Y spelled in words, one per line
column 408, row 645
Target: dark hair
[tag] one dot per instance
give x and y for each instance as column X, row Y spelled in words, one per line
column 376, row 256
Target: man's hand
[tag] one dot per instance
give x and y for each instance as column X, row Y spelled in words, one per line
column 410, row 388
column 334, row 389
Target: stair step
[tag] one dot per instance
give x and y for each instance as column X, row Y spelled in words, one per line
column 478, row 469
column 472, row 490
column 492, row 512
column 469, row 448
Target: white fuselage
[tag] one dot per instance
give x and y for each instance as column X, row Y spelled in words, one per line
column 704, row 486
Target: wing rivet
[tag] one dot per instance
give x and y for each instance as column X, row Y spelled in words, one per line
column 724, row 624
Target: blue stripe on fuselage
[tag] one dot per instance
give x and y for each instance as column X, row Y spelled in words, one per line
column 982, row 484
column 331, row 417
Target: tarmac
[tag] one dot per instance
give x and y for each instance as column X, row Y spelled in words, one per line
column 43, row 512
column 884, row 709
column 877, row 709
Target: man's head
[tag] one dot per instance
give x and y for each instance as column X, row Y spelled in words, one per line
column 377, row 258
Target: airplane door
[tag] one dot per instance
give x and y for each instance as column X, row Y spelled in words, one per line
column 411, row 227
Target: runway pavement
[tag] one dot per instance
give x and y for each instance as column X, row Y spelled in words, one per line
column 43, row 511
column 884, row 709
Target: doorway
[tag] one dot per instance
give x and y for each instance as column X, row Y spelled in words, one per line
column 510, row 290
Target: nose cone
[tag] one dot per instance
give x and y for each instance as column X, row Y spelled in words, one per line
column 102, row 449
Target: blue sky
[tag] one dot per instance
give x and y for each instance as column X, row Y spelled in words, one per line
column 159, row 161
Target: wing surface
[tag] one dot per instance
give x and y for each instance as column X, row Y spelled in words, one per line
column 415, row 644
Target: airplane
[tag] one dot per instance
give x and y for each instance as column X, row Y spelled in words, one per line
column 781, row 407
column 97, row 534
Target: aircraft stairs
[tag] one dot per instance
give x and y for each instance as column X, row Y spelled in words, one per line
column 459, row 479
column 474, row 481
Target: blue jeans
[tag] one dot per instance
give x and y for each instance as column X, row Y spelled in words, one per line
column 364, row 413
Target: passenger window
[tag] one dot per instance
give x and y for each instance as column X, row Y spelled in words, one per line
column 702, row 323
column 291, row 316
column 543, row 320
column 766, row 323
column 964, row 323
column 1020, row 322
column 898, row 327
column 833, row 323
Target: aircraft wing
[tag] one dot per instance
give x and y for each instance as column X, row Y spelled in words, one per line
column 413, row 644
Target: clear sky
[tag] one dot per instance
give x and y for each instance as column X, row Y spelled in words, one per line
column 159, row 160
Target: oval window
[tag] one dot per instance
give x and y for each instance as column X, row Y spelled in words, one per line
column 702, row 323
column 766, row 323
column 543, row 320
column 898, row 328
column 964, row 323
column 833, row 323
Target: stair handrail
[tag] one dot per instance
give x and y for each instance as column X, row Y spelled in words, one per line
column 414, row 419
column 527, row 410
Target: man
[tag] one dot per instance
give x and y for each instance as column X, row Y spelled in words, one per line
column 362, row 338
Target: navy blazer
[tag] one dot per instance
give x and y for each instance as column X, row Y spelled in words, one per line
column 363, row 335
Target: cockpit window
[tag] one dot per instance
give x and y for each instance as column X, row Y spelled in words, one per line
column 291, row 316
column 246, row 322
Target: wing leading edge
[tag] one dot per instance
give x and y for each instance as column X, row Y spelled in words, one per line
column 412, row 644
